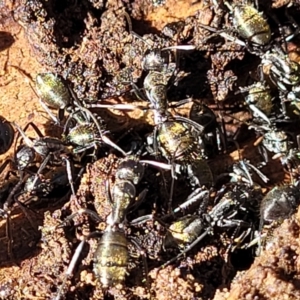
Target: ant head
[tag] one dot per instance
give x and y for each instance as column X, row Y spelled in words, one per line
column 155, row 60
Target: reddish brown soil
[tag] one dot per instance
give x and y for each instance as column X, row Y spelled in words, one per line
column 39, row 266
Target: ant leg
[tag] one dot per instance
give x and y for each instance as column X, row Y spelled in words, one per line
column 82, row 211
column 141, row 197
column 146, row 218
column 173, row 177
column 34, row 127
column 6, row 215
column 221, row 33
column 49, row 112
column 4, row 165
column 237, row 240
column 160, row 165
column 71, row 115
column 9, row 236
column 126, row 15
column 246, row 172
column 263, row 152
column 180, row 102
column 143, row 253
column 7, row 204
column 142, row 219
column 195, row 196
column 139, row 94
column 256, row 241
column 259, row 113
column 118, row 106
column 104, row 138
column 298, row 141
column 190, row 122
column 109, row 142
column 294, row 24
column 81, row 149
column 258, row 172
column 27, row 140
column 70, row 269
column 203, row 235
column 69, row 173
column 108, row 193
column 155, row 142
column 41, row 168
column 24, row 210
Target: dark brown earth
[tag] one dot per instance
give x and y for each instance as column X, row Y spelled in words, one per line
column 96, row 57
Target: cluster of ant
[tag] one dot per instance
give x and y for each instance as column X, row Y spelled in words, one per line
column 181, row 146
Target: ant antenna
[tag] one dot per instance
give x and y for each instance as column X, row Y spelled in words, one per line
column 129, row 22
